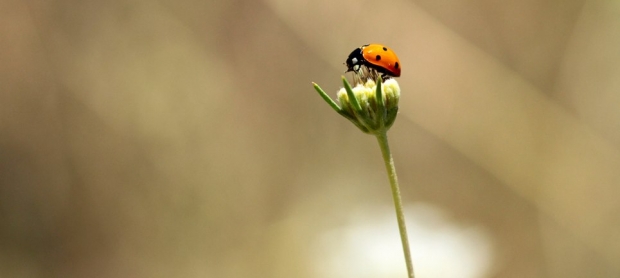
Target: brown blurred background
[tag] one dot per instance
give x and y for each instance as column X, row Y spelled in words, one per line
column 184, row 139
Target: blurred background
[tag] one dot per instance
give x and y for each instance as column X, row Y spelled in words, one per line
column 184, row 139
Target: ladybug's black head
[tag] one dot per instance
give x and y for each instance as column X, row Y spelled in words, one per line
column 355, row 60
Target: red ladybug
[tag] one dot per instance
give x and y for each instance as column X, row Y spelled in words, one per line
column 375, row 57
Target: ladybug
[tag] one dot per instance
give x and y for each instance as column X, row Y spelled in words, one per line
column 374, row 57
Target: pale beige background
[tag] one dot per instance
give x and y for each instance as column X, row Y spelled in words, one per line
column 183, row 139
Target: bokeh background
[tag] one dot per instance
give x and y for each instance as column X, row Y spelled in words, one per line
column 183, row 139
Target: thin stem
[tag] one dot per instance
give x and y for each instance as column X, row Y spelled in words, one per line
column 398, row 204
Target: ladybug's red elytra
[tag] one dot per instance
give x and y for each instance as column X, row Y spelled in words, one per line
column 375, row 57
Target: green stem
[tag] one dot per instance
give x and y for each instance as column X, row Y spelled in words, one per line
column 398, row 203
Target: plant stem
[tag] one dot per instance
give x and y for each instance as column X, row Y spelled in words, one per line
column 398, row 204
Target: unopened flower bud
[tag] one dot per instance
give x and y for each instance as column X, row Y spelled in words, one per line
column 362, row 106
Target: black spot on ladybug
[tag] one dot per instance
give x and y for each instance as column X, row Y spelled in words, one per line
column 396, row 65
column 384, row 48
column 378, row 57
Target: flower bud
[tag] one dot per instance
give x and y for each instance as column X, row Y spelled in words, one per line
column 366, row 111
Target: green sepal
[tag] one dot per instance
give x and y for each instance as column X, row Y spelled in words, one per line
column 326, row 97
